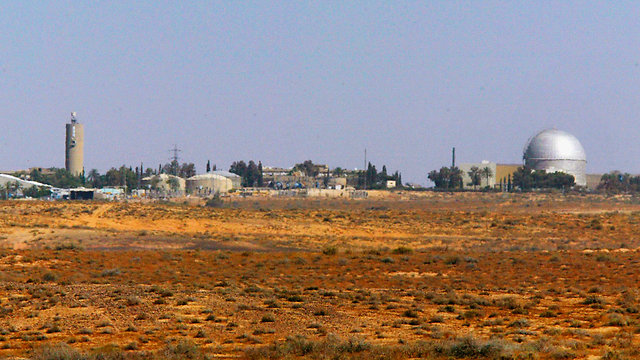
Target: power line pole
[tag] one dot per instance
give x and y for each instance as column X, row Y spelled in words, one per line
column 365, row 168
column 175, row 152
column 175, row 159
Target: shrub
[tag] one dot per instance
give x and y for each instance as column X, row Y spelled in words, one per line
column 330, row 250
column 57, row 352
column 410, row 314
column 593, row 300
column 215, row 201
column 110, row 272
column 616, row 319
column 49, row 277
column 548, row 314
column 268, row 318
column 402, row 250
column 295, row 298
column 452, row 260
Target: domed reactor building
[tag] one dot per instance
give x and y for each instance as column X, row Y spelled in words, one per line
column 554, row 150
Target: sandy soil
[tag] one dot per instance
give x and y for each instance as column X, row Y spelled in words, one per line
column 521, row 270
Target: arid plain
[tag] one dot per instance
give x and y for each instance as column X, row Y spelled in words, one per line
column 410, row 275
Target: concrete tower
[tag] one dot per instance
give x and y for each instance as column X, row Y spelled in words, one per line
column 74, row 147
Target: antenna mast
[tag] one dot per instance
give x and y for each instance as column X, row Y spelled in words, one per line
column 175, row 152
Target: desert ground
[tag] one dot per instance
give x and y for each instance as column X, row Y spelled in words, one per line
column 409, row 275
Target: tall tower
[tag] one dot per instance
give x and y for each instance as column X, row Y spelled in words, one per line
column 74, row 147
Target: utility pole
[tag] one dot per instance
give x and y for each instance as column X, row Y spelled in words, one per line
column 365, row 168
column 140, row 176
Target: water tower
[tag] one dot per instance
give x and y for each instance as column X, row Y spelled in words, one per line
column 74, row 147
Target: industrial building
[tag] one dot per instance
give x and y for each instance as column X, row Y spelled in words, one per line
column 213, row 182
column 165, row 183
column 554, row 150
column 504, row 174
column 6, row 179
column 490, row 181
column 74, row 147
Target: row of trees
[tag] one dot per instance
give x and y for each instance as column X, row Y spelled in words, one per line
column 59, row 178
column 251, row 173
column 372, row 179
column 527, row 179
column 450, row 178
column 184, row 170
column 447, row 178
column 122, row 176
column 617, row 182
column 13, row 189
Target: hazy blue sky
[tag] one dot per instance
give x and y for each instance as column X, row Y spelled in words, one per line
column 283, row 82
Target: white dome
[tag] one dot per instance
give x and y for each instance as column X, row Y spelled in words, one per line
column 553, row 144
column 553, row 150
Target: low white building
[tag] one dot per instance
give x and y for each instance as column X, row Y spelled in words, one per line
column 165, row 182
column 485, row 179
column 11, row 180
column 213, row 182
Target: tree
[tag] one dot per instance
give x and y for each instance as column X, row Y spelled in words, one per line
column 446, row 178
column 174, row 184
column 208, row 166
column 113, row 177
column 172, row 168
column 187, row 170
column 307, row 167
column 382, row 176
column 371, row 176
column 474, row 173
column 617, row 182
column 238, row 168
column 527, row 179
column 36, row 192
column 4, row 192
column 251, row 174
column 94, row 178
column 455, row 178
column 487, row 173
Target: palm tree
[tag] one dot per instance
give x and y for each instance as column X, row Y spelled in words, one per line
column 94, row 178
column 487, row 173
column 474, row 174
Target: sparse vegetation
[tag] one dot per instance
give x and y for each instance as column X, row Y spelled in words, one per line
column 442, row 281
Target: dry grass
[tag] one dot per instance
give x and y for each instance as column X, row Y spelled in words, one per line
column 459, row 276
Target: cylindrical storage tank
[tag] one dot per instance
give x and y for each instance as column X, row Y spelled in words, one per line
column 74, row 148
column 554, row 150
column 207, row 184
